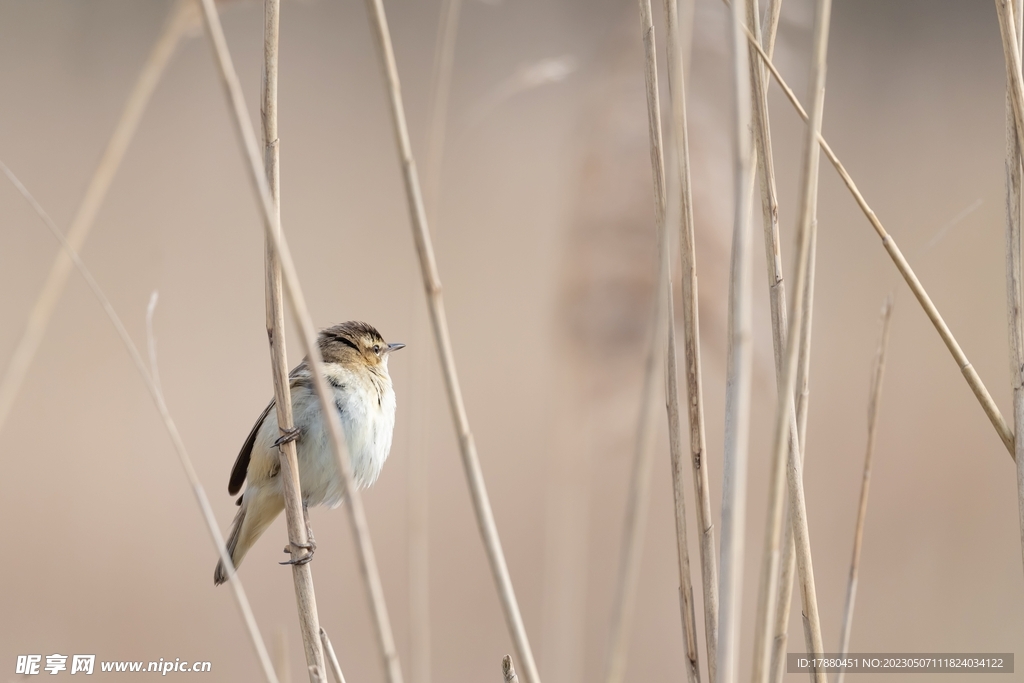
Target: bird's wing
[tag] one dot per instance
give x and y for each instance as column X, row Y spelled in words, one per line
column 299, row 376
column 241, row 466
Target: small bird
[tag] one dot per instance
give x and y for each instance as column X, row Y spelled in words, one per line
column 356, row 368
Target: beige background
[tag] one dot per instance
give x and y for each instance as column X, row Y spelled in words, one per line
column 545, row 245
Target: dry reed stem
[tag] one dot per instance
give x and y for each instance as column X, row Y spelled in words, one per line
column 332, row 658
column 508, row 671
column 1014, row 295
column 432, row 286
column 779, row 317
column 785, row 416
column 418, row 491
column 1015, row 298
column 766, row 173
column 151, row 380
column 874, row 403
column 303, row 320
column 797, row 504
column 968, row 371
column 1011, row 52
column 685, row 12
column 440, row 96
column 639, row 492
column 302, row 574
column 180, row 18
column 789, row 567
column 770, row 26
column 694, row 388
column 686, row 608
column 775, row 595
column 788, row 571
column 738, row 372
column 804, row 371
column 776, row 288
column 768, row 599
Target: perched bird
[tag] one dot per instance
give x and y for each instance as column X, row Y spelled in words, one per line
column 356, row 368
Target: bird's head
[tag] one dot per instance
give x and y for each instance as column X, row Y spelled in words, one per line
column 355, row 342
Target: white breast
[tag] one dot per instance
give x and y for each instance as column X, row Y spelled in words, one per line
column 368, row 419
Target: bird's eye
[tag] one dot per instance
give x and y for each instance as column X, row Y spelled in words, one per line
column 376, row 348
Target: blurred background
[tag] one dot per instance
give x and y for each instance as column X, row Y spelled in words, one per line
column 545, row 241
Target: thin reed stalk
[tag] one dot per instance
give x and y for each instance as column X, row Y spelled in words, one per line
column 300, row 312
column 874, row 408
column 797, row 446
column 770, row 26
column 332, row 658
column 1014, row 294
column 150, row 378
column 798, row 443
column 780, row 322
column 766, row 174
column 738, row 371
column 802, row 396
column 769, row 600
column 440, row 97
column 432, row 286
column 419, row 470
column 302, row 574
column 686, row 608
column 981, row 393
column 785, row 422
column 639, row 492
column 783, row 603
column 691, row 346
column 182, row 15
column 776, row 590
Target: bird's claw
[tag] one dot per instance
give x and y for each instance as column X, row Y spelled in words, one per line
column 288, row 435
column 310, row 548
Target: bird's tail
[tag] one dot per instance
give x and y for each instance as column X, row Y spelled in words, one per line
column 259, row 508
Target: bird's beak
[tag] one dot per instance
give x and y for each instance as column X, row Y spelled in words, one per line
column 395, row 346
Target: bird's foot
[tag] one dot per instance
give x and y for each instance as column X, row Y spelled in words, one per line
column 288, row 435
column 310, row 548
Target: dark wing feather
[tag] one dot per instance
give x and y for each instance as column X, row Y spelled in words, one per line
column 299, row 376
column 241, row 466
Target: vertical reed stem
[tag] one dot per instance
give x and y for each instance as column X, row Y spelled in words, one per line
column 332, row 657
column 691, row 346
column 435, row 301
column 302, row 574
column 738, row 371
column 1014, row 294
column 874, row 406
column 770, row 607
column 785, row 415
